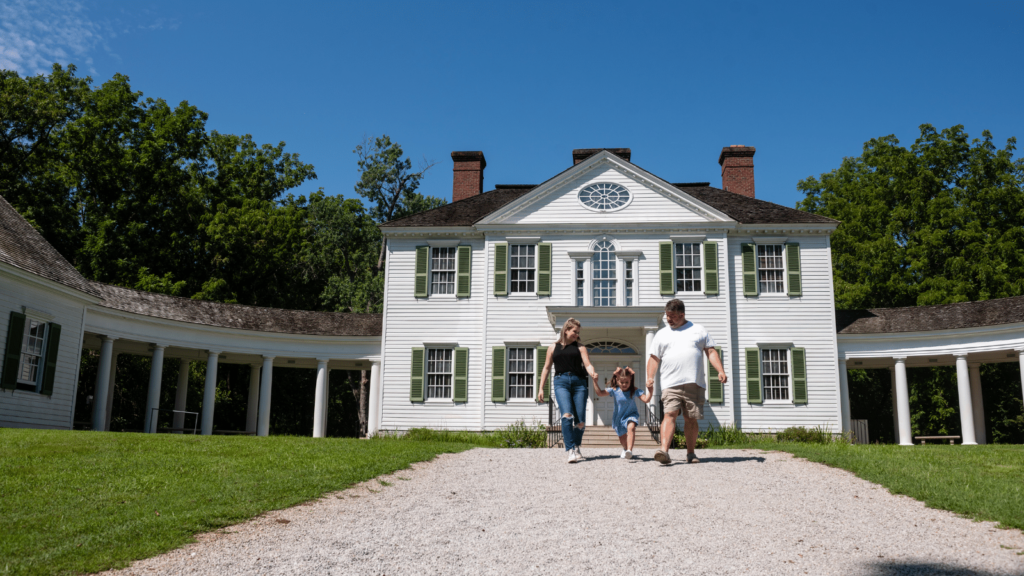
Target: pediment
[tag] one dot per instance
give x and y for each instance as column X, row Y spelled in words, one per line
column 650, row 199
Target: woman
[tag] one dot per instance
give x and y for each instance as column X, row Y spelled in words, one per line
column 572, row 365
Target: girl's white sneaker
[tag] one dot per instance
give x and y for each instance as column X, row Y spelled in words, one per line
column 627, row 454
column 623, row 455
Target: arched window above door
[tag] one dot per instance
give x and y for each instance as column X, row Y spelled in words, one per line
column 610, row 347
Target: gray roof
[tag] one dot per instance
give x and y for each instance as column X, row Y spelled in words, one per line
column 927, row 318
column 237, row 315
column 740, row 208
column 22, row 246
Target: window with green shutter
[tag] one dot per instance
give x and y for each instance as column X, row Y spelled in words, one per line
column 12, row 355
column 422, row 253
column 498, row 374
column 799, row 358
column 793, row 269
column 749, row 269
column 461, row 375
column 665, row 267
column 465, row 259
column 711, row 268
column 416, row 375
column 544, row 269
column 541, row 358
column 716, row 392
column 501, row 269
column 753, row 365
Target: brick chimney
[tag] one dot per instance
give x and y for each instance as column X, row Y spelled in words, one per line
column 737, row 163
column 581, row 154
column 468, row 174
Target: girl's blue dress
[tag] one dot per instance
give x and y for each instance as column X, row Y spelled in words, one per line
column 625, row 409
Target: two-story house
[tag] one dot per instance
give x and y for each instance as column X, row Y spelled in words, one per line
column 478, row 289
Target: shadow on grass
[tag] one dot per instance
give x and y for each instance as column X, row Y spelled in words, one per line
column 732, row 459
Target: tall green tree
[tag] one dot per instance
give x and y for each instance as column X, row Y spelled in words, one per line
column 936, row 223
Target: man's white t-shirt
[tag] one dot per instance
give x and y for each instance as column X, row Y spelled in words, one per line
column 681, row 351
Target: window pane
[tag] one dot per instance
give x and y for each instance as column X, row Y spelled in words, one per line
column 688, row 268
column 439, row 373
column 442, row 270
column 520, row 372
column 770, row 268
column 603, row 275
column 775, row 373
column 522, row 260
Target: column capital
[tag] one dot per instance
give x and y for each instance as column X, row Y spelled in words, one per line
column 323, row 360
column 649, row 329
column 960, row 354
column 374, row 363
column 160, row 345
column 108, row 338
column 214, row 352
column 265, row 358
column 900, row 359
column 842, row 360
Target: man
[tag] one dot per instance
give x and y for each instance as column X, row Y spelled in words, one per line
column 678, row 351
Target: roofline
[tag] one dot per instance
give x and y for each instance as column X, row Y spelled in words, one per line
column 54, row 285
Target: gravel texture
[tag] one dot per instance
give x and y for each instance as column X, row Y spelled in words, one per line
column 527, row 511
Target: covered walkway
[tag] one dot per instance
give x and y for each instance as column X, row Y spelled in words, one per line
column 964, row 335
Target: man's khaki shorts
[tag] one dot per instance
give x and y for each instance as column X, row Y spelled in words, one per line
column 687, row 399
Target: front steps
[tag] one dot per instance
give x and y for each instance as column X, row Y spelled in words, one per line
column 605, row 437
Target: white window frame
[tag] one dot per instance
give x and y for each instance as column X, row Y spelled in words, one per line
column 530, row 373
column 784, row 270
column 450, row 373
column 629, row 282
column 36, row 384
column 700, row 265
column 616, row 299
column 788, row 359
column 454, row 271
column 579, row 268
column 511, row 282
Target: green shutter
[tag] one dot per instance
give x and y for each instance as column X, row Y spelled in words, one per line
column 753, row 376
column 716, row 392
column 498, row 374
column 50, row 369
column 544, row 269
column 799, row 358
column 749, row 270
column 711, row 268
column 465, row 263
column 793, row 269
column 501, row 269
column 12, row 359
column 461, row 393
column 539, row 357
column 421, row 271
column 668, row 287
column 417, row 375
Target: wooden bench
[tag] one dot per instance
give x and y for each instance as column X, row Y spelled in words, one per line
column 923, row 438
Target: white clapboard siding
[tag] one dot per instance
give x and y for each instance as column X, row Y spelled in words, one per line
column 561, row 205
column 806, row 322
column 22, row 409
column 413, row 322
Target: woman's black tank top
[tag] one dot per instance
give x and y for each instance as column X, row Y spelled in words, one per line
column 569, row 359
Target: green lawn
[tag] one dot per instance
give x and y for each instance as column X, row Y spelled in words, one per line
column 980, row 482
column 73, row 502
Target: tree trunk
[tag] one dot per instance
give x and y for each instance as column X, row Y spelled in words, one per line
column 364, row 402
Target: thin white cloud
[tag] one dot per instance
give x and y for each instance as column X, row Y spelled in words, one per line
column 35, row 34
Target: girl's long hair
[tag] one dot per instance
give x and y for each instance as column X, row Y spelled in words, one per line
column 632, row 383
column 571, row 322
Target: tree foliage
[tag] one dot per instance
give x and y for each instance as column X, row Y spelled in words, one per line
column 940, row 222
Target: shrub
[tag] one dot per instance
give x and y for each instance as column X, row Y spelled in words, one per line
column 816, row 435
column 679, row 441
column 519, row 435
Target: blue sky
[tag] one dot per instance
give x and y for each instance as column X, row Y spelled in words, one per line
column 526, row 82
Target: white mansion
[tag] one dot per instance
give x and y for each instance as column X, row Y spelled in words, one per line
column 477, row 289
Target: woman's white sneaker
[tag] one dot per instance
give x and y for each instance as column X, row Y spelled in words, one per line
column 579, row 455
column 572, row 456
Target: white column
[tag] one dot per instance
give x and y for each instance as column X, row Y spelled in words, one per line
column 376, row 397
column 977, row 402
column 963, row 388
column 903, row 402
column 209, row 393
column 320, row 399
column 181, row 395
column 266, row 376
column 844, row 394
column 111, row 388
column 99, row 400
column 1020, row 360
column 895, row 408
column 252, row 412
column 156, row 374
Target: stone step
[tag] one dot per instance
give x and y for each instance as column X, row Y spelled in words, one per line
column 605, row 437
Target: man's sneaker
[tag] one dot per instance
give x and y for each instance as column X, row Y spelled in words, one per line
column 572, row 456
column 579, row 455
column 691, row 458
column 628, row 454
column 662, row 457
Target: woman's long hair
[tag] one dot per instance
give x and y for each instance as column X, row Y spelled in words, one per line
column 571, row 322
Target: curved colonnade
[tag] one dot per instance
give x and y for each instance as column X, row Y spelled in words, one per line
column 134, row 322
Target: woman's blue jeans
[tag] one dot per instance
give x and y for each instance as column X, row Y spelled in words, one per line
column 571, row 392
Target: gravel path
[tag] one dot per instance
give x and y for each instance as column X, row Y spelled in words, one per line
column 527, row 511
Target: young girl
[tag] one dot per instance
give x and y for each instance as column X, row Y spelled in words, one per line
column 625, row 415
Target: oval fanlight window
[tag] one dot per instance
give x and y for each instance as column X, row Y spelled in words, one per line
column 604, row 196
